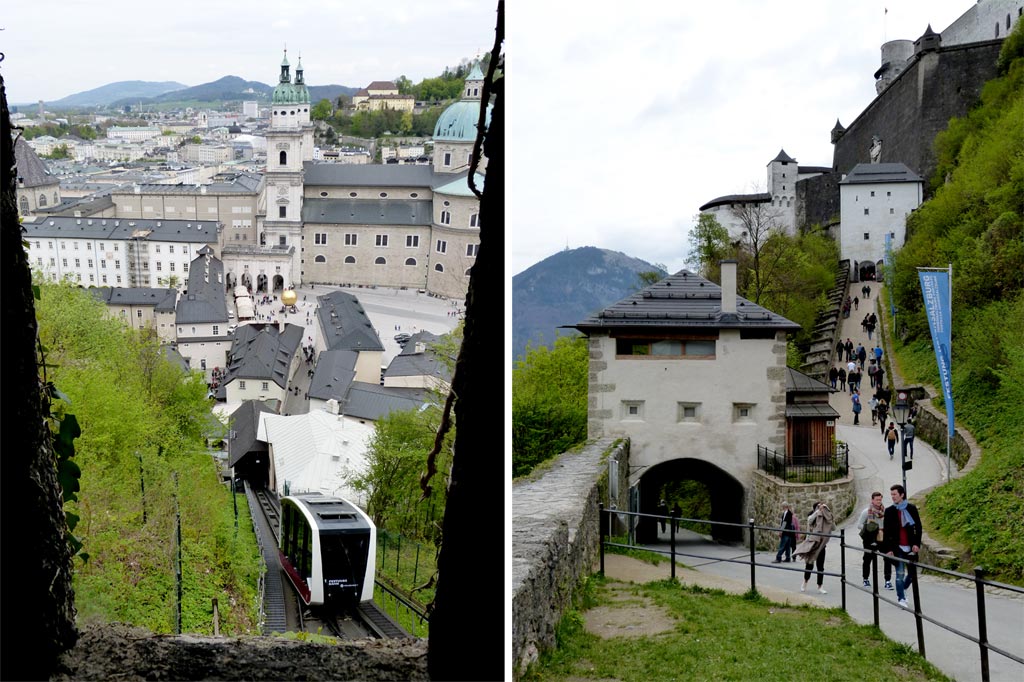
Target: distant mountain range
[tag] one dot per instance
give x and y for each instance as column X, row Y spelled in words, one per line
column 226, row 89
column 564, row 288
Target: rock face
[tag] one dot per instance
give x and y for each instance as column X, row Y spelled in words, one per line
column 564, row 288
column 122, row 652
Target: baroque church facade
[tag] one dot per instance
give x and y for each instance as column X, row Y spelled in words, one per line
column 369, row 225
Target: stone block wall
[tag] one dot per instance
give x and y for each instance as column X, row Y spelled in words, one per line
column 555, row 536
column 931, row 428
column 770, row 492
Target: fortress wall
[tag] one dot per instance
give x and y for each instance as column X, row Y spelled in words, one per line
column 917, row 106
column 817, row 199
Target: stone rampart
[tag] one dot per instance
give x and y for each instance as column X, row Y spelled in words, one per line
column 770, row 492
column 555, row 536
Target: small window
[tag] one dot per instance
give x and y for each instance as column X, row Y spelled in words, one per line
column 412, row 240
column 441, row 246
column 471, row 250
column 383, row 195
column 410, row 261
column 474, row 220
column 241, row 384
column 446, row 218
column 202, row 364
column 350, row 239
column 633, row 410
column 320, row 238
column 323, row 194
column 743, row 412
column 282, row 211
column 892, row 211
column 872, row 192
column 414, row 195
column 380, row 260
column 283, row 156
column 320, row 259
column 381, row 240
column 216, row 330
column 688, row 412
column 350, row 259
column 447, row 160
column 438, row 268
column 867, row 236
column 888, row 194
column 353, row 194
column 265, row 385
column 867, row 211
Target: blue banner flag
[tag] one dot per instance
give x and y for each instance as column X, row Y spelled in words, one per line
column 935, row 288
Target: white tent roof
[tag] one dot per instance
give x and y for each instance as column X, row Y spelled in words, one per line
column 316, row 452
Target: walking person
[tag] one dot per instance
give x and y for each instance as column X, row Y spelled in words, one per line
column 902, row 538
column 842, row 379
column 908, row 439
column 662, row 512
column 812, row 549
column 871, row 537
column 848, row 347
column 787, row 536
column 862, row 355
column 883, row 412
column 856, row 303
column 874, row 409
column 857, row 407
column 833, row 374
column 891, row 436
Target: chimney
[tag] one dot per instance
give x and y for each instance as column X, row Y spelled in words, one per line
column 728, row 286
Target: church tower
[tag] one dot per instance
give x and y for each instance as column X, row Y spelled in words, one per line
column 456, row 128
column 289, row 143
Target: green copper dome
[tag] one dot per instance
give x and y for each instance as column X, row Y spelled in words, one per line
column 458, row 122
column 286, row 92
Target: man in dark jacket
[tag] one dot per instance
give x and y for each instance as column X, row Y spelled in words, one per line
column 787, row 539
column 902, row 538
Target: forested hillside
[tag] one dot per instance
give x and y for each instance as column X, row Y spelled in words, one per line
column 975, row 221
column 143, row 459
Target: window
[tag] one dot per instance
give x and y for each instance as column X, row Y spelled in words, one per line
column 63, row 245
column 104, row 279
column 49, row 245
column 471, row 250
column 867, row 236
column 414, row 194
column 410, row 261
column 184, row 266
column 350, row 259
column 282, row 240
column 78, row 277
column 216, row 330
column 380, row 260
column 892, row 211
column 323, row 194
column 320, row 259
column 75, row 244
column 888, row 194
column 688, row 412
column 116, row 247
column 119, row 279
column 103, row 264
column 872, row 192
column 320, row 238
column 474, row 220
column 90, row 262
column 172, row 266
column 64, row 261
column 283, row 159
column 441, row 246
column 633, row 410
column 743, row 412
column 42, row 200
column 24, row 205
column 158, row 248
column 439, row 268
column 145, row 265
column 665, row 348
column 447, row 159
column 117, row 264
column 138, row 314
column 446, row 218
column 867, row 211
column 382, row 240
column 282, row 211
column 78, row 263
column 159, row 266
column 351, row 239
column 52, row 262
column 241, row 384
column 412, row 240
column 265, row 385
column 39, row 262
column 202, row 363
column 383, row 195
column 353, row 194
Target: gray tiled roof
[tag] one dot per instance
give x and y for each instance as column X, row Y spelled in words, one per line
column 783, row 156
column 161, row 299
column 189, row 231
column 368, row 212
column 344, row 323
column 333, row 376
column 259, row 351
column 798, row 382
column 373, row 401
column 683, row 301
column 174, row 357
column 879, row 172
column 372, row 175
column 409, row 363
column 205, row 297
column 812, row 410
column 32, row 172
column 244, row 426
column 761, row 198
column 813, row 169
column 240, row 183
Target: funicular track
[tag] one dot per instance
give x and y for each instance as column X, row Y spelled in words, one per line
column 366, row 620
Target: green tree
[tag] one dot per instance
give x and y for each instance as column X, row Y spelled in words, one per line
column 321, row 111
column 59, row 152
column 549, row 402
column 709, row 244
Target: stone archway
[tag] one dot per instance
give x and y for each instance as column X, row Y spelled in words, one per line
column 727, row 496
column 261, row 283
column 247, row 281
column 866, row 271
column 278, row 282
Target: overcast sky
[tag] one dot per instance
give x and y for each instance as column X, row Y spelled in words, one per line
column 54, row 48
column 623, row 122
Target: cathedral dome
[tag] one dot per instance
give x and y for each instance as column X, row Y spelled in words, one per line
column 458, row 122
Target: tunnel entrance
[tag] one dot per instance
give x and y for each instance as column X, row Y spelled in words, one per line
column 709, row 490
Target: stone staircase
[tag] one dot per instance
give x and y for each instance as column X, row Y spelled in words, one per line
column 818, row 358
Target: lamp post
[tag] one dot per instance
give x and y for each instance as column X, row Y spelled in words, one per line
column 900, row 411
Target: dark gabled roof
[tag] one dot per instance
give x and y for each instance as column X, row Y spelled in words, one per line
column 161, row 299
column 760, row 198
column 260, row 351
column 373, row 401
column 813, row 169
column 798, row 382
column 205, row 297
column 335, row 370
column 344, row 323
column 838, row 127
column 783, row 156
column 866, row 173
column 32, row 172
column 812, row 410
column 368, row 212
column 188, row 231
column 682, row 301
column 174, row 357
column 244, row 427
column 382, row 85
column 372, row 175
column 84, row 206
column 410, row 363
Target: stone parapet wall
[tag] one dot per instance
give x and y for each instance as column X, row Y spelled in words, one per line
column 769, row 493
column 555, row 537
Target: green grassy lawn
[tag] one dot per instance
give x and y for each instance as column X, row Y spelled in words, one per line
column 711, row 635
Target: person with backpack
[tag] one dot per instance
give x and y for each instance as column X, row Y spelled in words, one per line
column 870, row 524
column 857, row 407
column 892, row 437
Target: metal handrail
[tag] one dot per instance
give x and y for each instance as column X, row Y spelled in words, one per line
column 605, row 520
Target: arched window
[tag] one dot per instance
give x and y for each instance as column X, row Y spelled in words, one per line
column 439, row 267
column 446, row 218
column 410, row 261
column 380, row 260
column 284, row 158
column 42, row 200
column 24, row 204
column 350, row 259
column 56, row 200
column 320, row 259
column 468, row 271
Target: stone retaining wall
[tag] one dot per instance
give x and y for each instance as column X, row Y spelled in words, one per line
column 770, row 492
column 555, row 536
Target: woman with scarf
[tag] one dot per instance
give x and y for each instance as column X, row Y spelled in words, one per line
column 872, row 540
column 812, row 549
column 902, row 531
